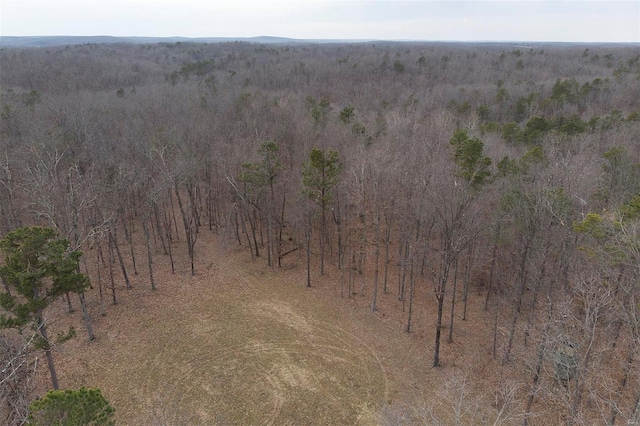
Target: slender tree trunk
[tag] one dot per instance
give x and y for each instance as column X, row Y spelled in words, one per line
column 47, row 350
column 491, row 269
column 259, row 221
column 86, row 317
column 269, row 237
column 69, row 305
column 405, row 261
column 388, row 221
column 453, row 300
column 280, row 231
column 338, row 221
column 185, row 219
column 192, row 192
column 436, row 351
column 535, row 385
column 440, row 293
column 129, row 239
column 252, row 225
column 467, row 274
column 411, row 293
column 623, row 383
column 167, row 221
column 362, row 262
column 161, row 232
column 114, row 241
column 145, row 229
column 522, row 280
column 98, row 269
column 322, row 232
column 236, row 226
column 352, row 270
column 246, row 233
column 540, row 359
column 309, row 251
column 113, row 282
column 363, row 242
column 377, row 262
column 399, row 264
column 534, row 302
column 495, row 328
column 172, row 214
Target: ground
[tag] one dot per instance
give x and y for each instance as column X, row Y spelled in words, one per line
column 240, row 343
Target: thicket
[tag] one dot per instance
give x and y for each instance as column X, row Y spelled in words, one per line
column 512, row 170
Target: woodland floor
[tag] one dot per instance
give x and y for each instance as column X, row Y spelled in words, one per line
column 241, row 344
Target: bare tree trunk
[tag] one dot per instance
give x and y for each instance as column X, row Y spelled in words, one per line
column 411, row 293
column 352, row 269
column 167, row 221
column 399, row 264
column 252, row 225
column 540, row 359
column 188, row 226
column 495, row 328
column 453, row 301
column 322, row 233
column 145, row 229
column 99, row 255
column 338, row 221
column 522, row 281
column 467, row 273
column 114, row 241
column 377, row 262
column 387, row 243
column 623, row 383
column 129, row 238
column 309, row 251
column 159, row 227
column 405, row 260
column 236, row 226
column 111, row 262
column 534, row 301
column 491, row 269
column 67, row 298
column 440, row 294
column 47, row 350
column 172, row 215
column 86, row 317
column 436, row 351
column 280, row 230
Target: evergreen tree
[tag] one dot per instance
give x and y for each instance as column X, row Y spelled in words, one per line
column 38, row 267
column 72, row 407
column 319, row 176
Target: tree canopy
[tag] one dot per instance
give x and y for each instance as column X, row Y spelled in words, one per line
column 38, row 267
column 71, row 407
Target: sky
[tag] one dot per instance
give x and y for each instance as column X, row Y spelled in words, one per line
column 430, row 20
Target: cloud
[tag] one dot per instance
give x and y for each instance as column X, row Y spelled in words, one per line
column 568, row 20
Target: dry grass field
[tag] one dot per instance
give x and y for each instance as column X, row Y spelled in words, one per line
column 241, row 344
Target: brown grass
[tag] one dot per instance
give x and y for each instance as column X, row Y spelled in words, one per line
column 242, row 344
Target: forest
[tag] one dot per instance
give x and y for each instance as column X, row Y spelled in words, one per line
column 417, row 177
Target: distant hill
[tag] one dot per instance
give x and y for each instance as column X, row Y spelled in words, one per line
column 44, row 41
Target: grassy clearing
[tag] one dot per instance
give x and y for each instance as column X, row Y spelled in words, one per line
column 241, row 344
column 237, row 344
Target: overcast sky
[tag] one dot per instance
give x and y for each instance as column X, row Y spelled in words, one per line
column 507, row 20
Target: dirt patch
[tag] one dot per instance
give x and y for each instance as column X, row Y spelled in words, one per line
column 283, row 313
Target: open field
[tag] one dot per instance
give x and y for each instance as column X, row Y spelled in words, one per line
column 242, row 344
